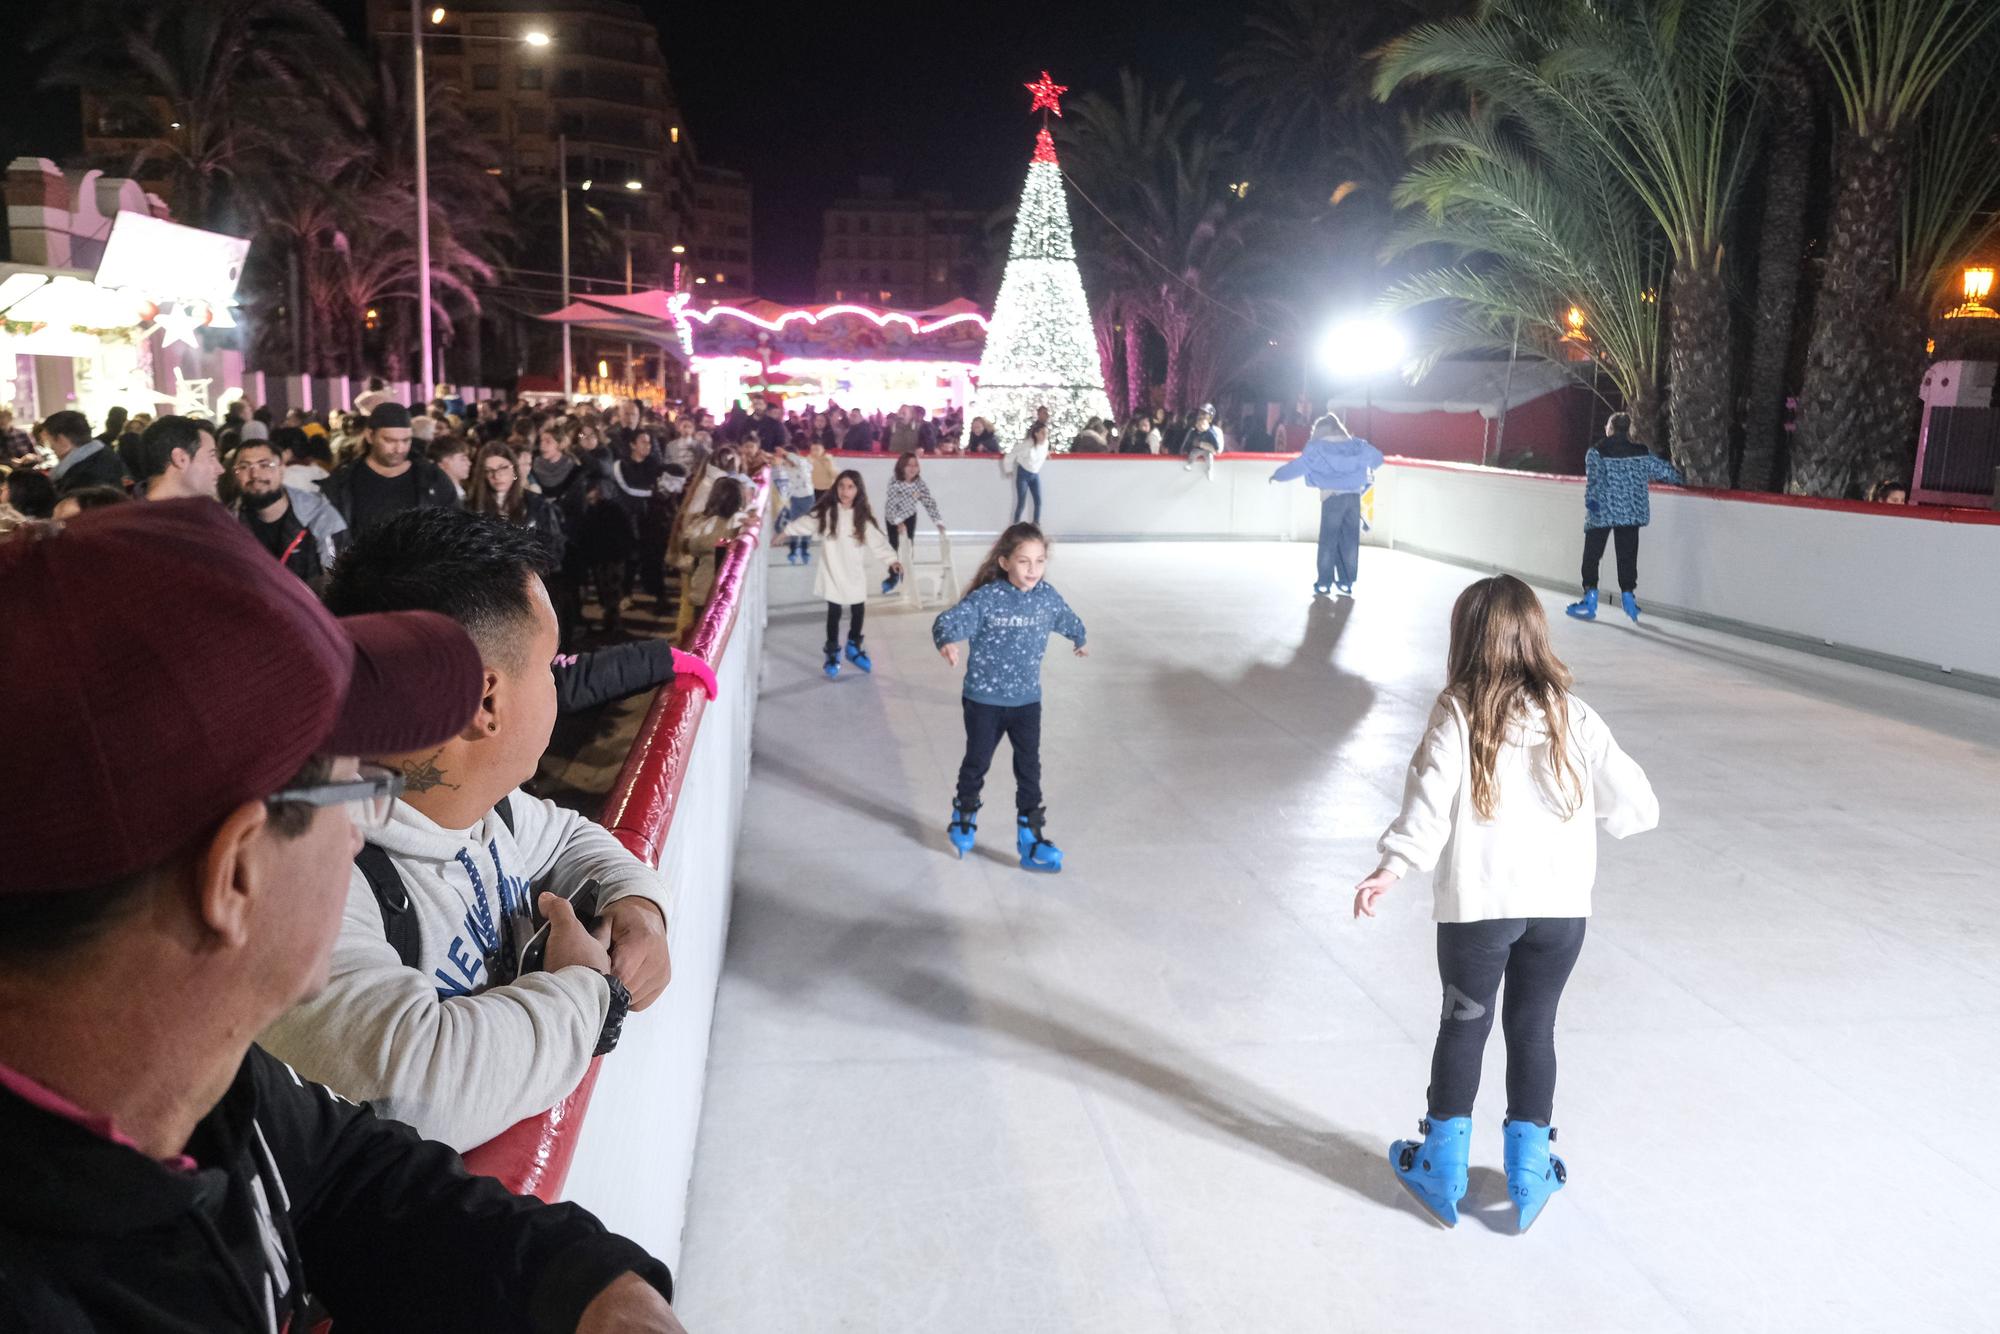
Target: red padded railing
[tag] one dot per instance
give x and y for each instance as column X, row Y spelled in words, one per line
column 533, row 1157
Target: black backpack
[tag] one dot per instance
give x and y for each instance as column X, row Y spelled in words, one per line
column 399, row 924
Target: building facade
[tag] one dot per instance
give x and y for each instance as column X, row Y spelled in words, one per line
column 721, row 255
column 598, row 86
column 886, row 250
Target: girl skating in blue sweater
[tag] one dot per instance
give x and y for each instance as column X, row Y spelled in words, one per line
column 1008, row 614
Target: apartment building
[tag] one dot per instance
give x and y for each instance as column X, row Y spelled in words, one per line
column 588, row 73
column 889, row 250
column 721, row 253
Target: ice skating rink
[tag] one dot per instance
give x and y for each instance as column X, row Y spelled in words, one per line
column 1155, row 1092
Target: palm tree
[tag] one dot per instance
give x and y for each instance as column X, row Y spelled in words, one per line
column 1790, row 104
column 1888, row 61
column 230, row 82
column 1532, row 226
column 1658, row 92
column 1170, row 229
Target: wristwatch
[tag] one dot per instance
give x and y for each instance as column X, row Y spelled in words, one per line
column 614, row 1017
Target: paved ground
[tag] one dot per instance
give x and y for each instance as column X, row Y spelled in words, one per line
column 1155, row 1093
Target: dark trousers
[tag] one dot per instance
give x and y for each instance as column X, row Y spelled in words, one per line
column 1027, row 484
column 901, row 527
column 985, row 724
column 1340, row 538
column 859, row 613
column 610, row 580
column 1628, row 555
column 1534, row 956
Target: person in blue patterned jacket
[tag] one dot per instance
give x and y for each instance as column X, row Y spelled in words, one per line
column 1008, row 615
column 1616, row 505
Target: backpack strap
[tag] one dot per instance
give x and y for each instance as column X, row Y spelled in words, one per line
column 392, row 898
column 399, row 921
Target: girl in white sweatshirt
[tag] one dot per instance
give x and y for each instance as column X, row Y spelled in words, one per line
column 1503, row 797
column 1025, row 461
column 846, row 527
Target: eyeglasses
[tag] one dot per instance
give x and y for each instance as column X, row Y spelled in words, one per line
column 370, row 794
column 500, row 470
column 259, row 465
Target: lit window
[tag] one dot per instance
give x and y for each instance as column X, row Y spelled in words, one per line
column 674, row 134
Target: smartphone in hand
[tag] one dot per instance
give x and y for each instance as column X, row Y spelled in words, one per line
column 535, row 953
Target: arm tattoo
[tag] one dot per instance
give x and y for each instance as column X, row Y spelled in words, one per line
column 423, row 775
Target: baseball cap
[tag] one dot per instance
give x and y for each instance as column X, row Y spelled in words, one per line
column 388, row 415
column 254, row 430
column 173, row 671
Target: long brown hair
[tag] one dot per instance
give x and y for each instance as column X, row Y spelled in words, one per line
column 827, row 509
column 724, row 498
column 1500, row 668
column 909, row 458
column 479, row 494
column 1010, row 541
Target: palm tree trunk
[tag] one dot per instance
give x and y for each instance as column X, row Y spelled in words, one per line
column 1135, row 360
column 1698, row 403
column 1643, row 407
column 1854, row 389
column 1780, row 255
column 1903, row 329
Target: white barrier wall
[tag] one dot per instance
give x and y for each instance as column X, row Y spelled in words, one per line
column 1900, row 586
column 636, row 1152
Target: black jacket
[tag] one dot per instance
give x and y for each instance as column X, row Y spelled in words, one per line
column 586, row 680
column 433, row 486
column 296, row 1189
column 102, row 468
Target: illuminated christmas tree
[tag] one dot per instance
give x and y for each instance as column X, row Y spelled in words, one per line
column 1040, row 347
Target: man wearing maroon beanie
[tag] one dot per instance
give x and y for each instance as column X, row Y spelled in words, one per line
column 185, row 805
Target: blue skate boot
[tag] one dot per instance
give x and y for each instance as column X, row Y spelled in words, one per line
column 1037, row 853
column 1585, row 610
column 1533, row 1173
column 1631, row 606
column 964, row 827
column 832, row 668
column 1434, row 1170
column 857, row 657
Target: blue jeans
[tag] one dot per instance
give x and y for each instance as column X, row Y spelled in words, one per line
column 1026, row 484
column 797, row 508
column 1340, row 538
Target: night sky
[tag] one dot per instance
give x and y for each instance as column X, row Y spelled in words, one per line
column 805, row 98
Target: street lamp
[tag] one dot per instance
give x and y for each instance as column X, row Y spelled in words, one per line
column 1978, row 285
column 417, row 35
column 1361, row 349
column 635, row 185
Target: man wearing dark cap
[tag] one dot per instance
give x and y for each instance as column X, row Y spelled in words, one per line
column 174, row 879
column 388, row 479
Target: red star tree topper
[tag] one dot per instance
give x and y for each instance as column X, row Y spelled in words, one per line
column 1048, row 94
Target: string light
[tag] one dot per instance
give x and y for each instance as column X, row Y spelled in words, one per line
column 882, row 318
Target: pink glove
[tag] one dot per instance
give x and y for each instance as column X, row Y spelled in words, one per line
column 686, row 666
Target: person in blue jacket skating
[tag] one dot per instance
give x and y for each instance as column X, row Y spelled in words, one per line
column 1007, row 613
column 1341, row 468
column 1616, row 505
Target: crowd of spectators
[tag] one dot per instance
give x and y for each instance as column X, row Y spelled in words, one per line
column 334, row 857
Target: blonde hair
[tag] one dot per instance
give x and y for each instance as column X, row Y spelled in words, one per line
column 1501, row 667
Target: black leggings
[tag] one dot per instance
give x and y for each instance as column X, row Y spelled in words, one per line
column 898, row 528
column 833, row 610
column 985, row 724
column 1534, row 955
column 1627, row 536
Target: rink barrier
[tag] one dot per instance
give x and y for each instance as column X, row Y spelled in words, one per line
column 622, row 1144
column 1896, row 588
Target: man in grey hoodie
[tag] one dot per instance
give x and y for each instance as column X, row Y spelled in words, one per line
column 431, row 1013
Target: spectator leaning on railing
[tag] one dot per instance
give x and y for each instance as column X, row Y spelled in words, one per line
column 173, row 881
column 426, row 1015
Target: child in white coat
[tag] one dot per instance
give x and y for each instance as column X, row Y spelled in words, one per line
column 1503, row 797
column 846, row 527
